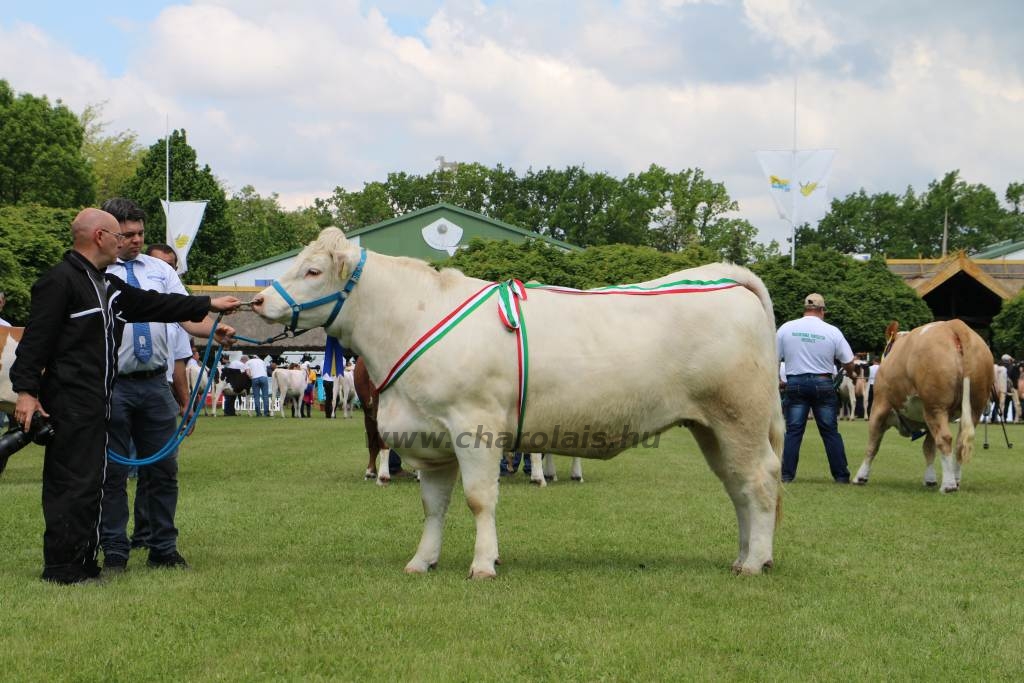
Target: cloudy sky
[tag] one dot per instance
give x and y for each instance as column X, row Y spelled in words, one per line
column 299, row 97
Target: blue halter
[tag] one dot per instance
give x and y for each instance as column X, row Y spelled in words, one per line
column 337, row 297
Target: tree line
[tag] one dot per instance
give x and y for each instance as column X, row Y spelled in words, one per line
column 647, row 224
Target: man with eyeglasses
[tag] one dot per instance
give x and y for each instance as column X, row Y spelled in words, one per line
column 65, row 368
column 143, row 408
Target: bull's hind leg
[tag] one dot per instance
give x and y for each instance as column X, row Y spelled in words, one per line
column 938, row 429
column 436, row 486
column 537, row 469
column 749, row 469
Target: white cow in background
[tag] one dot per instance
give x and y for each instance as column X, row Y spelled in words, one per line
column 847, row 398
column 704, row 360
column 287, row 385
column 196, row 374
column 542, row 468
column 345, row 391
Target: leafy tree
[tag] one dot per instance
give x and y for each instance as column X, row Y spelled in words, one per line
column 497, row 260
column 1008, row 328
column 974, row 216
column 910, row 226
column 41, row 157
column 862, row 297
column 670, row 211
column 213, row 248
column 113, row 159
column 33, row 238
column 261, row 228
column 599, row 266
column 1015, row 195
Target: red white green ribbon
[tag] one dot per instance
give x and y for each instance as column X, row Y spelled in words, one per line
column 510, row 294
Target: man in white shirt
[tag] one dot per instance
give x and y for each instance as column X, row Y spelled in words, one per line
column 810, row 347
column 257, row 370
column 143, row 408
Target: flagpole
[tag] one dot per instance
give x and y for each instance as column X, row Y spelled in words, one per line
column 167, row 175
column 792, row 197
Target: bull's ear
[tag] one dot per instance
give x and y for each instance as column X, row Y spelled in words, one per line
column 345, row 260
column 891, row 329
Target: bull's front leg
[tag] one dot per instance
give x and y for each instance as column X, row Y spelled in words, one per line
column 479, row 468
column 878, row 423
column 436, row 484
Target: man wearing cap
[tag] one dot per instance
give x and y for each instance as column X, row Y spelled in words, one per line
column 810, row 347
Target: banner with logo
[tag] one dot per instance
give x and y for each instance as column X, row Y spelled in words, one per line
column 798, row 182
column 183, row 219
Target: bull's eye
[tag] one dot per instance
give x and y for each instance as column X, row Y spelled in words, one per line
column 312, row 272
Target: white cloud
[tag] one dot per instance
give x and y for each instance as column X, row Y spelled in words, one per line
column 301, row 100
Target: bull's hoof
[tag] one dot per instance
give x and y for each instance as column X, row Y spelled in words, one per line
column 579, row 479
column 751, row 570
column 857, row 481
column 950, row 489
column 931, row 484
column 538, row 482
column 370, row 475
column 419, row 566
column 479, row 574
column 383, row 481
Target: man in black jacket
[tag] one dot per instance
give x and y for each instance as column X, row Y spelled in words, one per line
column 65, row 369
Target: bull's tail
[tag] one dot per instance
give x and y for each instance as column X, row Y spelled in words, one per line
column 777, row 425
column 777, row 429
column 966, row 433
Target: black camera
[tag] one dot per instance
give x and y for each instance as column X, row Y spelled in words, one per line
column 41, row 431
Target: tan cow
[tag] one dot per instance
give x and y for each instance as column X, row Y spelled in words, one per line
column 703, row 360
column 9, row 338
column 929, row 377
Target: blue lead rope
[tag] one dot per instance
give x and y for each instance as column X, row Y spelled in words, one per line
column 187, row 422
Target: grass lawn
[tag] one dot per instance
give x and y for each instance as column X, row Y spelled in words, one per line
column 297, row 573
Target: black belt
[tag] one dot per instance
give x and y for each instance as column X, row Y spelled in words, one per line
column 144, row 374
column 811, row 374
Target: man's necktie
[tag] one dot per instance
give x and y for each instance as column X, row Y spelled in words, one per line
column 142, row 339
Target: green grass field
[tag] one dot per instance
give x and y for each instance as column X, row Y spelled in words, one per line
column 297, row 573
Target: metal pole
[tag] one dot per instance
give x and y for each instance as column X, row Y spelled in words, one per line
column 792, row 197
column 167, row 176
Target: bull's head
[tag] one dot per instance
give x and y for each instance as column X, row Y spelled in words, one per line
column 311, row 293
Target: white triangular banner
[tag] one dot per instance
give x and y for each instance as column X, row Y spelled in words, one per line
column 798, row 182
column 183, row 220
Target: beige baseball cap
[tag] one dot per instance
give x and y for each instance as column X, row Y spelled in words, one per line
column 814, row 301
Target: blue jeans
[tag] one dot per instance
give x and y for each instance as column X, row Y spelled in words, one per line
column 816, row 393
column 261, row 394
column 144, row 412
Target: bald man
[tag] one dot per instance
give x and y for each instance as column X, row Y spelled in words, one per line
column 65, row 369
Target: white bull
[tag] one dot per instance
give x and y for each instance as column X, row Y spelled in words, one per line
column 344, row 392
column 287, row 385
column 703, row 360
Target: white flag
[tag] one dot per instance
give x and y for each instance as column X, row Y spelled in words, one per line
column 798, row 182
column 183, row 219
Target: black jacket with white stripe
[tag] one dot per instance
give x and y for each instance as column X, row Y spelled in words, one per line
column 70, row 343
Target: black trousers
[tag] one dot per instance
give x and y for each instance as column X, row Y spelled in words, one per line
column 73, row 470
column 328, row 399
